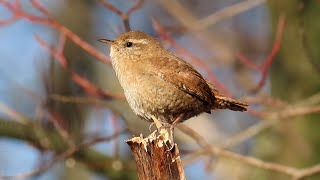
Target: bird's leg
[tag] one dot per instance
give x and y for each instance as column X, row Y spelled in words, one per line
column 170, row 129
column 176, row 121
column 156, row 122
column 165, row 130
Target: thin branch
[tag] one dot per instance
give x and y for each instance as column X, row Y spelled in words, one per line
column 26, row 121
column 9, row 21
column 271, row 120
column 298, row 109
column 264, row 68
column 135, row 7
column 290, row 171
column 14, row 115
column 77, row 99
column 69, row 152
column 19, row 13
column 124, row 15
column 247, row 62
column 110, row 6
column 273, row 53
column 306, row 172
column 248, row 133
column 90, row 88
column 56, row 120
column 126, row 24
column 61, row 43
column 227, row 12
column 41, row 8
column 184, row 16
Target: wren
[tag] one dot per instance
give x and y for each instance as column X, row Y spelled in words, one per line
column 159, row 86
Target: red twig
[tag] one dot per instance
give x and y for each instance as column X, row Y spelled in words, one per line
column 58, row 122
column 19, row 13
column 90, row 88
column 61, row 43
column 135, row 7
column 38, row 6
column 264, row 68
column 247, row 62
column 110, row 6
column 9, row 21
column 59, row 56
column 69, row 152
column 164, row 35
column 273, row 53
column 124, row 15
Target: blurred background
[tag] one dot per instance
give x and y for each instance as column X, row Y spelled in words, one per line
column 55, row 125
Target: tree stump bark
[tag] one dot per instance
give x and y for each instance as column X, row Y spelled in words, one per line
column 154, row 160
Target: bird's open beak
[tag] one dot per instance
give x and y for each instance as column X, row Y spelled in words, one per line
column 106, row 41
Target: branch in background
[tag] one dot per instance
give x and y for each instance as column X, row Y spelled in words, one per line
column 18, row 13
column 123, row 15
column 14, row 115
column 88, row 87
column 227, row 12
column 295, row 173
column 18, row 117
column 78, row 99
column 264, row 68
column 304, row 107
column 9, row 21
column 189, row 21
column 82, row 152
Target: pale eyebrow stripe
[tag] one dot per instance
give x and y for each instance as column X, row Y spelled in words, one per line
column 141, row 41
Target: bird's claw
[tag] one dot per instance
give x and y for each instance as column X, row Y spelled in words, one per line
column 168, row 128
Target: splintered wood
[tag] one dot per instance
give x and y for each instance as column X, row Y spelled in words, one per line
column 153, row 158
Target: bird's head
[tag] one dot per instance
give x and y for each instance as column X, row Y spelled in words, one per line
column 133, row 45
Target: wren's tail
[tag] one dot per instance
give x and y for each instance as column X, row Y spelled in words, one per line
column 222, row 102
column 229, row 103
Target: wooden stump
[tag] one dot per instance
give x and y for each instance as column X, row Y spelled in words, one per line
column 153, row 159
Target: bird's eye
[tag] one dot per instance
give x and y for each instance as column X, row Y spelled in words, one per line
column 129, row 44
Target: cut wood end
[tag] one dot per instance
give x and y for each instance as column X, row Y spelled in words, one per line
column 153, row 158
column 162, row 139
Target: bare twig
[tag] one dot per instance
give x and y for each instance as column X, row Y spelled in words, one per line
column 77, row 99
column 124, row 15
column 272, row 118
column 264, row 68
column 16, row 10
column 290, row 171
column 16, row 116
column 273, row 53
column 248, row 133
column 90, row 88
column 188, row 20
column 69, row 152
column 227, row 12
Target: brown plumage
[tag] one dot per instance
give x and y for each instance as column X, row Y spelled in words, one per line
column 159, row 85
column 223, row 102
